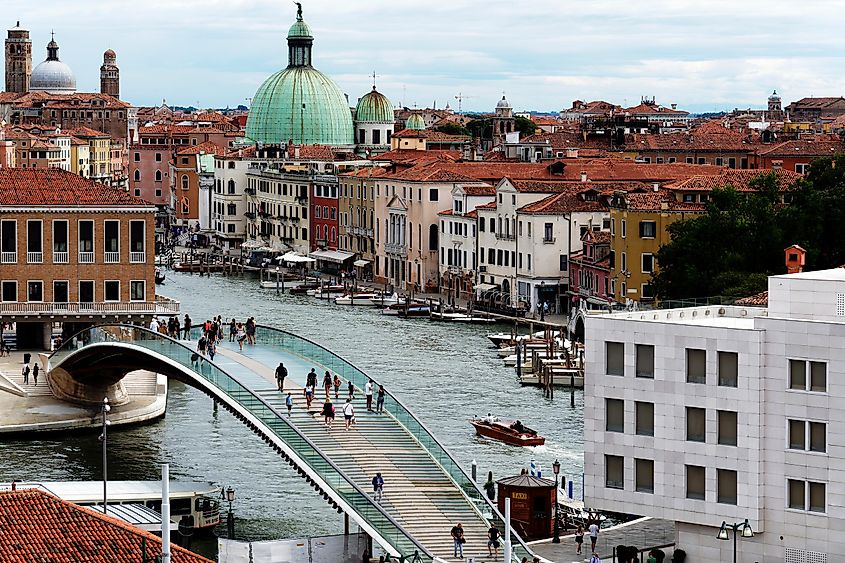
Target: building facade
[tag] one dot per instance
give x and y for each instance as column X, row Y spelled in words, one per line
column 18, row 57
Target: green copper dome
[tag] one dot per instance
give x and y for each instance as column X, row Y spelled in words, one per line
column 300, row 103
column 415, row 122
column 375, row 108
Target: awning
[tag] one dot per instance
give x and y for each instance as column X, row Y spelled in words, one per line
column 360, row 263
column 294, row 258
column 482, row 287
column 338, row 256
column 252, row 243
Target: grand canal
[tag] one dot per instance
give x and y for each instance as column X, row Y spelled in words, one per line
column 443, row 373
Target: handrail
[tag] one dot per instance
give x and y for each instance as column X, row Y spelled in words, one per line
column 279, row 417
column 442, row 451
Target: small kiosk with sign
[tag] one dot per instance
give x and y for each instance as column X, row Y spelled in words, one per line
column 532, row 505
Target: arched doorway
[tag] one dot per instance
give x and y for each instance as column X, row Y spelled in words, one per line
column 506, row 287
column 579, row 329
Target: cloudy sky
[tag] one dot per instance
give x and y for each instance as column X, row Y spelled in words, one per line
column 702, row 55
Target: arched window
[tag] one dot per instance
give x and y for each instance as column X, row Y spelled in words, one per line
column 317, row 212
column 137, row 175
column 231, row 209
column 231, row 186
column 184, row 181
column 158, row 175
column 326, row 232
column 325, row 211
column 334, row 234
column 186, row 208
column 433, row 233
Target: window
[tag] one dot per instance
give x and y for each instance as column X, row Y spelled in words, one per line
column 433, row 194
column 645, row 418
column 614, row 415
column 648, row 229
column 802, row 168
column 86, row 236
column 9, row 291
column 796, row 494
column 137, row 290
column 615, row 360
column 614, row 472
column 645, row 360
column 136, row 237
column 818, row 436
column 8, row 241
column 137, row 175
column 797, row 434
column 817, row 497
column 35, row 291
column 137, row 157
column 696, row 425
column 376, row 137
column 695, row 482
column 548, row 232
column 696, row 366
column 797, row 374
column 647, row 263
column 33, row 240
column 728, row 368
column 644, row 475
column 817, row 377
column 799, row 499
column 60, row 292
column 726, row 428
column 111, row 238
column 158, row 175
column 624, row 228
column 481, row 223
column 184, row 181
column 60, row 236
column 726, row 486
column 112, row 290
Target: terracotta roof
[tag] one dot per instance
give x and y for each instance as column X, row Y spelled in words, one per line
column 37, row 526
column 207, row 147
column 739, row 179
column 478, row 189
column 600, row 237
column 52, row 186
column 176, row 129
column 431, row 136
column 824, row 146
column 709, row 136
column 650, row 109
column 759, row 300
column 569, row 201
column 32, row 99
column 563, row 140
column 366, row 172
column 83, row 132
column 539, row 186
column 814, row 102
column 661, row 200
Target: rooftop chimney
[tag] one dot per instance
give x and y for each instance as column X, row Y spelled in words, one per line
column 583, row 176
column 655, row 186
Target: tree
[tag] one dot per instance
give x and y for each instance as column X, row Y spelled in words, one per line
column 481, row 128
column 453, row 129
column 525, row 126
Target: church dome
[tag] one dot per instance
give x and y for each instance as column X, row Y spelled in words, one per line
column 300, row 103
column 415, row 121
column 374, row 107
column 52, row 75
column 503, row 103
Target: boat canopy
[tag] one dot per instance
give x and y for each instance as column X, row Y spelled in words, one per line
column 338, row 256
column 294, row 258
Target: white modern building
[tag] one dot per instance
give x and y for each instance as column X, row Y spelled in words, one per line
column 710, row 414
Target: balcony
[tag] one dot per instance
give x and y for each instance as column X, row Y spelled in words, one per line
column 60, row 257
column 397, row 249
column 249, row 191
column 264, row 214
column 503, row 236
column 160, row 306
column 250, row 215
column 295, row 219
column 111, row 257
column 86, row 257
column 138, row 257
column 8, row 257
column 548, row 240
column 35, row 257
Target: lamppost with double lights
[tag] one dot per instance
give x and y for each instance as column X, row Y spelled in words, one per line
column 230, row 519
column 556, row 469
column 104, row 439
column 741, row 528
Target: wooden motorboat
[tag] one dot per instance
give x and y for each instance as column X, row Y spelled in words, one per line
column 383, row 300
column 410, row 310
column 511, row 432
column 360, row 298
column 327, row 291
column 461, row 318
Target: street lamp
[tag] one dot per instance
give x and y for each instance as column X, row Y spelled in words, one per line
column 741, row 528
column 104, row 439
column 541, row 303
column 277, row 280
column 556, row 469
column 230, row 519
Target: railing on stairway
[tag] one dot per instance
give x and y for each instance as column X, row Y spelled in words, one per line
column 330, row 360
column 311, row 455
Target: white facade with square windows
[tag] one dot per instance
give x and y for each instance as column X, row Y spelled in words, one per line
column 711, row 414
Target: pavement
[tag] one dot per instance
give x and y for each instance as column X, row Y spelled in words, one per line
column 33, row 408
column 327, row 549
column 642, row 533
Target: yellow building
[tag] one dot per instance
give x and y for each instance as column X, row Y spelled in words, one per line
column 80, row 157
column 99, row 152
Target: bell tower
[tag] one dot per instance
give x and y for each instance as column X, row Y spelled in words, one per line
column 110, row 75
column 18, row 59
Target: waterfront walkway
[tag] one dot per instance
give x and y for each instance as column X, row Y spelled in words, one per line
column 642, row 533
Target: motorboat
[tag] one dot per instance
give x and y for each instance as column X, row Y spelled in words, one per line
column 327, row 291
column 285, row 281
column 382, row 300
column 304, row 288
column 411, row 310
column 159, row 276
column 360, row 299
column 461, row 318
column 511, row 432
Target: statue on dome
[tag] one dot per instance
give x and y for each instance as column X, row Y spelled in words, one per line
column 298, row 10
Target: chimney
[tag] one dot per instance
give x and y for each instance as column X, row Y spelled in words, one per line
column 655, row 186
column 674, row 106
column 571, row 153
column 165, row 513
column 583, row 176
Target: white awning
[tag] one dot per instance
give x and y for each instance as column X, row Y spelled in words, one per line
column 482, row 287
column 338, row 256
column 252, row 243
column 294, row 258
column 360, row 263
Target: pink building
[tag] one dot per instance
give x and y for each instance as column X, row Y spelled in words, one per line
column 591, row 271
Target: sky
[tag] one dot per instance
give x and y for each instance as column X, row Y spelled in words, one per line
column 543, row 54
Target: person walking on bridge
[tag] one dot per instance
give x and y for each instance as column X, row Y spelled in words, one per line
column 35, row 369
column 458, row 539
column 186, row 327
column 233, row 330
column 378, row 487
column 328, row 413
column 311, row 378
column 368, row 393
column 380, row 399
column 336, row 386
column 281, row 374
column 327, row 383
column 348, row 413
column 289, row 402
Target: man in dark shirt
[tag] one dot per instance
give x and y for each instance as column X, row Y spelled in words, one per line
column 281, row 374
column 493, row 540
column 458, row 539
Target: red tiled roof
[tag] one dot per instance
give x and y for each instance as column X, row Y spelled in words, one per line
column 83, row 132
column 758, row 300
column 365, row 172
column 52, row 186
column 31, row 99
column 478, row 189
column 709, row 136
column 408, row 155
column 661, row 200
column 539, row 186
column 739, row 179
column 563, row 140
column 176, row 129
column 37, row 526
column 207, row 147
column 811, row 146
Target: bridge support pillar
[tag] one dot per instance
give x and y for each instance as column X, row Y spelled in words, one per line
column 345, row 524
column 90, row 393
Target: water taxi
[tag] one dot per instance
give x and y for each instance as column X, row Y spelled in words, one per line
column 511, row 432
column 359, row 298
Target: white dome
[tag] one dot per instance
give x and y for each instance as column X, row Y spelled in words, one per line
column 503, row 103
column 54, row 77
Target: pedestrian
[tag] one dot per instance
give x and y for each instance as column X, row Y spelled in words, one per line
column 311, row 378
column 281, row 374
column 25, row 373
column 328, row 413
column 348, row 413
column 186, row 327
column 350, row 389
column 336, row 386
column 594, row 536
column 211, row 331
column 154, row 324
column 289, row 402
column 202, row 345
column 595, row 558
column 309, row 396
column 233, row 330
column 177, row 329
column 368, row 393
column 327, row 383
column 212, row 349
column 493, row 540
column 241, row 336
column 458, row 539
column 250, row 330
column 579, row 537
column 378, row 487
column 380, row 399
column 35, row 374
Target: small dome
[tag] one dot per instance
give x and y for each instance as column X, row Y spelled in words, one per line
column 299, row 29
column 109, row 55
column 415, row 122
column 503, row 103
column 374, row 107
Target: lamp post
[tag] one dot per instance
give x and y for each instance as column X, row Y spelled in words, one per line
column 277, row 280
column 104, row 438
column 230, row 518
column 741, row 528
column 556, row 469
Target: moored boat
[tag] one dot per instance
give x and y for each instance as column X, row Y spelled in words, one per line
column 461, row 318
column 159, row 276
column 358, row 299
column 304, row 288
column 410, row 310
column 511, row 432
column 327, row 291
column 382, row 300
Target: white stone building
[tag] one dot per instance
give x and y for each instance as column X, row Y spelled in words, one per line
column 459, row 239
column 711, row 414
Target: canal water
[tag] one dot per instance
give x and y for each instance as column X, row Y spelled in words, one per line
column 445, row 373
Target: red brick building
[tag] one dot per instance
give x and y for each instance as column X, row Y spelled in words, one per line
column 591, row 271
column 324, row 213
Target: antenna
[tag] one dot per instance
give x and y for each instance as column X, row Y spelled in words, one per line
column 461, row 97
column 374, row 80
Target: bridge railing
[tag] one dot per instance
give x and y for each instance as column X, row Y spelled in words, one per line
column 307, row 451
column 313, row 351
